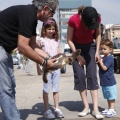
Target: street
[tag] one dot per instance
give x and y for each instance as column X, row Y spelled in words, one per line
column 30, row 103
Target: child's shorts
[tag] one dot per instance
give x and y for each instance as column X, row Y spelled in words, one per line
column 53, row 81
column 109, row 92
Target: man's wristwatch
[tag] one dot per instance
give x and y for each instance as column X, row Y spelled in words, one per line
column 44, row 63
column 47, row 58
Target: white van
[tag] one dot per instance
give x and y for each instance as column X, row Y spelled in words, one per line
column 66, row 49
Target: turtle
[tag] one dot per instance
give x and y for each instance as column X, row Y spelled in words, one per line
column 62, row 59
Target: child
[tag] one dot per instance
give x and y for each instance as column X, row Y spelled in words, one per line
column 107, row 79
column 50, row 44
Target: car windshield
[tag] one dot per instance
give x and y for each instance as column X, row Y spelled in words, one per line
column 66, row 50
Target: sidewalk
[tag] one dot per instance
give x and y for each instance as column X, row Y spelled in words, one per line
column 30, row 103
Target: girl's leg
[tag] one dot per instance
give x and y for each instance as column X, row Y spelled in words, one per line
column 56, row 99
column 56, row 79
column 46, row 100
column 55, row 87
column 48, row 113
column 46, row 90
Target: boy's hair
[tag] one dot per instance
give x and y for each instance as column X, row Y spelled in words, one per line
column 49, row 23
column 40, row 3
column 107, row 42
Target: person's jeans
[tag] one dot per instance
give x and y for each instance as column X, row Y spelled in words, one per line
column 7, row 87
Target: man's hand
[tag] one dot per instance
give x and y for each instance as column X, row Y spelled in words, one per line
column 51, row 62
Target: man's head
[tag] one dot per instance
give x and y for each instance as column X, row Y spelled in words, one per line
column 46, row 8
column 90, row 17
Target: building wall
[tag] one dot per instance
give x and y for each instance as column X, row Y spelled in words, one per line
column 66, row 4
column 112, row 32
column 66, row 9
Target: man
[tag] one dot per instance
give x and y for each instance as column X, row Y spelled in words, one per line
column 18, row 29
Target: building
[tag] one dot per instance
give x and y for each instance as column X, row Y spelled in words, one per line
column 66, row 9
column 112, row 31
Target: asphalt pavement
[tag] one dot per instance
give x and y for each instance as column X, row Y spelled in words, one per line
column 30, row 103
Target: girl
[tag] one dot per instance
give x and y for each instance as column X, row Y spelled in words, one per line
column 49, row 43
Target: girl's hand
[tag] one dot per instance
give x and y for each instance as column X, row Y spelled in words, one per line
column 81, row 60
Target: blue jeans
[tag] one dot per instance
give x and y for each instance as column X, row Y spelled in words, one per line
column 7, row 87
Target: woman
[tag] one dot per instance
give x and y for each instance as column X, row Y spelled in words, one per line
column 83, row 28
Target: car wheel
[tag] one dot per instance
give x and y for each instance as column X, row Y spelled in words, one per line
column 63, row 69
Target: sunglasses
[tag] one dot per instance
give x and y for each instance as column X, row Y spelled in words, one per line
column 51, row 10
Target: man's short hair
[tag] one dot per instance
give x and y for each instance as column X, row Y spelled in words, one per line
column 40, row 3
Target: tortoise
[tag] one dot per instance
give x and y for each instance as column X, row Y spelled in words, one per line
column 63, row 59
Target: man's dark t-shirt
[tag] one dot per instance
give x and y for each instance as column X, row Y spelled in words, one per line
column 21, row 19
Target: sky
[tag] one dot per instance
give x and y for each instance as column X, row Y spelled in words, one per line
column 109, row 9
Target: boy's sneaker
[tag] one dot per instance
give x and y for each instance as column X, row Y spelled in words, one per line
column 104, row 112
column 110, row 113
column 58, row 113
column 48, row 114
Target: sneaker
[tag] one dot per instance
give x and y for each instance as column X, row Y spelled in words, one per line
column 58, row 113
column 104, row 112
column 110, row 113
column 48, row 114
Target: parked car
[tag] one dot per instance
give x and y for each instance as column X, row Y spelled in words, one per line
column 15, row 60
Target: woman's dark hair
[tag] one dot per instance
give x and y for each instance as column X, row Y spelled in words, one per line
column 80, row 9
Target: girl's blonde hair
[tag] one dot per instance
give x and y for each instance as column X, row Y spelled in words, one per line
column 49, row 23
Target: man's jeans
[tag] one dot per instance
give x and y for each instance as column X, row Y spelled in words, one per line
column 7, row 87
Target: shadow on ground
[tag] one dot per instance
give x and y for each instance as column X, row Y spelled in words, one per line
column 38, row 109
column 76, row 106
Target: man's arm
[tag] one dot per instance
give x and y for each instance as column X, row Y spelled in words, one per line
column 30, row 49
